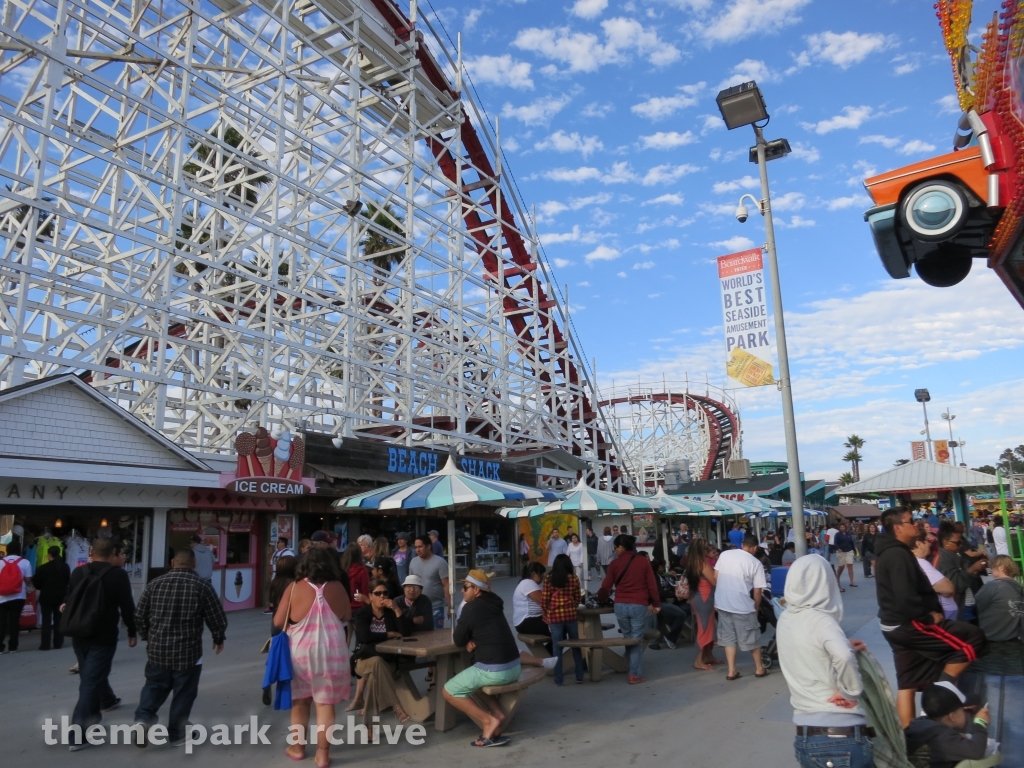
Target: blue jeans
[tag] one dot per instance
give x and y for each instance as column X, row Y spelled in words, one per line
column 160, row 682
column 821, row 751
column 438, row 611
column 94, row 691
column 632, row 623
column 568, row 630
column 674, row 617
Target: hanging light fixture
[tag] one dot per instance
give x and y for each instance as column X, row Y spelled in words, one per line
column 103, row 523
column 58, row 523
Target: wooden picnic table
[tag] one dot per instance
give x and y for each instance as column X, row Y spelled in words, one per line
column 451, row 659
column 590, row 629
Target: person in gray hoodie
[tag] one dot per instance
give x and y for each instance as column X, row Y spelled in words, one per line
column 820, row 667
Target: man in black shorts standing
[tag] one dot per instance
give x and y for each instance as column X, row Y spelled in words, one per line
column 926, row 646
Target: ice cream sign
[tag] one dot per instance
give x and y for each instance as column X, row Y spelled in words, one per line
column 269, row 466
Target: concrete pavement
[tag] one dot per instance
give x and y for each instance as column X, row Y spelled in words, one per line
column 679, row 713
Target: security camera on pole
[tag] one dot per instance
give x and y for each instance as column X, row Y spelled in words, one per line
column 744, row 105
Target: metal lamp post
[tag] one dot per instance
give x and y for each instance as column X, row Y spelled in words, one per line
column 948, row 418
column 744, row 105
column 924, row 397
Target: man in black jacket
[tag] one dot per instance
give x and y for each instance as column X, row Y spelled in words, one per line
column 484, row 631
column 95, row 653
column 926, row 646
column 51, row 580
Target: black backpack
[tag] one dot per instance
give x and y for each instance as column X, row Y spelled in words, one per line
column 84, row 607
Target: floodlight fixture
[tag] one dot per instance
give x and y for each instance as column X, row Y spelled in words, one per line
column 773, row 150
column 922, row 396
column 741, row 105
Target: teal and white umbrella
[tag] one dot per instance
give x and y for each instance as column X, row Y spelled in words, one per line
column 677, row 505
column 764, row 505
column 445, row 489
column 449, row 489
column 730, row 507
column 583, row 499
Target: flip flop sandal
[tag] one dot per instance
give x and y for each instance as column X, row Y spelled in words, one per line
column 497, row 741
column 762, row 673
column 737, row 677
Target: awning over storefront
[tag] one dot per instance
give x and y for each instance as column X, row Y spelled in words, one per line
column 920, row 475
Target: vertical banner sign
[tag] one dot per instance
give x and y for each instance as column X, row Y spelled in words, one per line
column 942, row 451
column 748, row 342
column 917, row 450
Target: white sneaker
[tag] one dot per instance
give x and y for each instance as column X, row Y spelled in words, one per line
column 669, row 643
column 549, row 663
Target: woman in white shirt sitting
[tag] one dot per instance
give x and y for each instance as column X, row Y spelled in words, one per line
column 526, row 610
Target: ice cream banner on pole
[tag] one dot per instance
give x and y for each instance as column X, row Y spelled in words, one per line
column 269, row 466
column 942, row 451
column 748, row 342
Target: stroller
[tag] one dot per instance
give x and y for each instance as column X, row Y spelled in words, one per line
column 767, row 615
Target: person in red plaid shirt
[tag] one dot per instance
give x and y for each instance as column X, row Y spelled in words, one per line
column 559, row 601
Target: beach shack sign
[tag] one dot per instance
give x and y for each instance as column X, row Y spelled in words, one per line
column 269, row 466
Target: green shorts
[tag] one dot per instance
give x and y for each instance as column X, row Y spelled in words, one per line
column 472, row 679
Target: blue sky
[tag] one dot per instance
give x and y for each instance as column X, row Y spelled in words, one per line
column 609, row 124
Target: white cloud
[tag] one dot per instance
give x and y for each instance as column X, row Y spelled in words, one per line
column 735, row 243
column 549, row 209
column 749, row 69
column 791, row 201
column 572, row 175
column 594, row 109
column 658, row 107
column 906, row 69
column 589, row 9
column 851, row 117
column 584, row 284
column 795, row 222
column 471, row 19
column 711, row 123
column 806, row 153
column 602, row 253
column 581, row 202
column 576, row 235
column 747, row 182
column 538, row 112
column 562, row 263
column 620, row 173
column 885, row 141
column 560, row 141
column 915, row 147
column 672, row 198
column 510, row 144
column 741, row 19
column 666, row 174
column 500, row 70
column 621, row 274
column 585, row 52
column 949, row 105
column 667, row 140
column 847, row 48
column 842, row 203
column 643, row 265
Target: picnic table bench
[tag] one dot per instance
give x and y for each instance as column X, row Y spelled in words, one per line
column 510, row 694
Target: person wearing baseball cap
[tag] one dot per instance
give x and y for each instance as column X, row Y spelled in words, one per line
column 417, row 614
column 485, row 633
column 943, row 736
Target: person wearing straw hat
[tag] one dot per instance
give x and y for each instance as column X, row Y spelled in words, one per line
column 484, row 631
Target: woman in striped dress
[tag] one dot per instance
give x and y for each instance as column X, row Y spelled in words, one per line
column 315, row 609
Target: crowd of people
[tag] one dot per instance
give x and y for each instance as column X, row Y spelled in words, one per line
column 948, row 596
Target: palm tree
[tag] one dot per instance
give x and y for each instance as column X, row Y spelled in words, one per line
column 846, row 479
column 854, row 443
column 387, row 252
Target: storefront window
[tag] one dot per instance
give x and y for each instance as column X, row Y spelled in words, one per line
column 238, row 548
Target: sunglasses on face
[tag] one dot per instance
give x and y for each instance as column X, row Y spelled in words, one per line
column 379, row 594
column 467, row 586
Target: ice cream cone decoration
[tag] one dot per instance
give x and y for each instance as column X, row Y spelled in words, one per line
column 238, row 583
column 264, row 451
column 282, row 453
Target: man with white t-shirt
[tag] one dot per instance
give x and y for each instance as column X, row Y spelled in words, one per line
column 16, row 575
column 830, row 542
column 738, row 573
column 999, row 536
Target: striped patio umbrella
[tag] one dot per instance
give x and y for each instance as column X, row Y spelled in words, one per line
column 448, row 489
column 730, row 507
column 583, row 499
column 445, row 489
column 764, row 505
column 677, row 505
